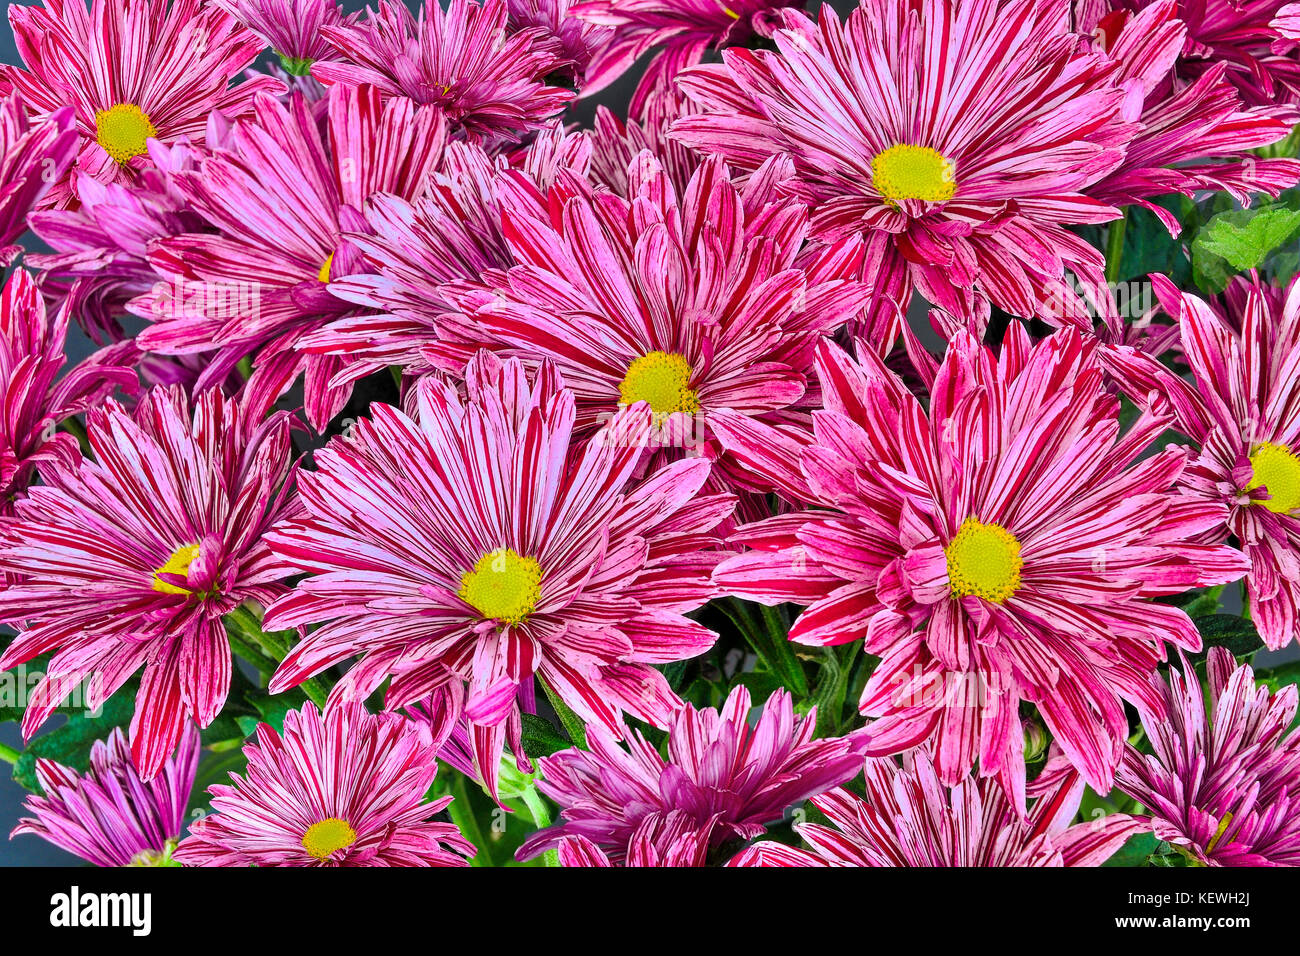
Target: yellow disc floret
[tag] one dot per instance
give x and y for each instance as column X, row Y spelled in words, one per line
column 179, row 564
column 913, row 172
column 984, row 561
column 122, row 130
column 664, row 380
column 327, row 837
column 504, row 585
column 1276, row 469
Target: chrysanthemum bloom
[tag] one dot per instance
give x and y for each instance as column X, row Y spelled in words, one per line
column 109, row 816
column 134, row 70
column 1002, row 548
column 1194, row 135
column 424, row 253
column 100, row 248
column 489, row 81
column 38, row 394
column 1243, row 35
column 731, row 779
column 132, row 559
column 582, row 47
column 673, row 839
column 343, row 789
column 33, row 156
column 468, row 542
column 679, row 31
column 692, row 303
column 1244, row 414
column 1221, row 785
column 281, row 196
column 909, row 818
column 616, row 143
column 290, row 27
column 965, row 131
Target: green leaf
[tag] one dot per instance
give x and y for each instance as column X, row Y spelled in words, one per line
column 70, row 744
column 1237, row 634
column 540, row 738
column 765, row 631
column 1136, row 851
column 572, row 723
column 1240, row 240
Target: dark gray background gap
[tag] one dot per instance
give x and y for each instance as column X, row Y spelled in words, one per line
column 32, row 851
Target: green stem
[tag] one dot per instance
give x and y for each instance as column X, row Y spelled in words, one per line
column 462, row 814
column 245, row 367
column 275, row 648
column 1115, row 248
column 8, row 754
column 77, row 430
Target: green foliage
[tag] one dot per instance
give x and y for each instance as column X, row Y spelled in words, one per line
column 1240, row 240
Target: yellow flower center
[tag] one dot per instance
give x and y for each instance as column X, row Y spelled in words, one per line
column 503, row 585
column 983, row 560
column 662, row 379
column 179, row 563
column 1276, row 469
column 328, row 836
column 324, row 274
column 913, row 172
column 122, row 130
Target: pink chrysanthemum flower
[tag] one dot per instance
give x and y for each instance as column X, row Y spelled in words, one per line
column 581, row 46
column 282, row 194
column 615, row 143
column 909, row 818
column 424, row 252
column 468, row 542
column 729, row 778
column 1002, row 548
column 692, row 303
column 134, row 70
column 1243, row 412
column 673, row 839
column 1193, row 136
column 343, row 789
column 108, row 816
column 1243, row 35
column 132, row 559
column 32, row 157
column 37, row 393
column 1222, row 782
column 292, row 28
column 967, row 132
column 489, row 81
column 679, row 32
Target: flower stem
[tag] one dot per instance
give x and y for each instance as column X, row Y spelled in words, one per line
column 462, row 814
column 274, row 647
column 9, row 754
column 1115, row 248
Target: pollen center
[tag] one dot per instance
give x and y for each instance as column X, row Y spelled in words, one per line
column 328, row 836
column 179, row 563
column 984, row 561
column 1276, row 469
column 122, row 130
column 503, row 585
column 662, row 379
column 913, row 172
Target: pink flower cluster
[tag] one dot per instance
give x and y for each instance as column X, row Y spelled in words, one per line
column 429, row 426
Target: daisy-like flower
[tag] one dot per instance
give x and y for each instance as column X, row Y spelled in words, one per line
column 100, row 249
column 690, row 303
column 1220, row 783
column 671, row 839
column 423, row 253
column 468, row 542
column 281, row 196
column 583, row 47
column 489, row 81
column 108, row 816
column 615, row 143
column 909, row 818
column 292, row 28
column 131, row 560
column 37, row 393
column 1003, row 548
column 967, row 132
column 728, row 778
column 1244, row 414
column 1243, row 35
column 679, row 31
column 1194, row 135
column 133, row 70
column 343, row 789
column 33, row 156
